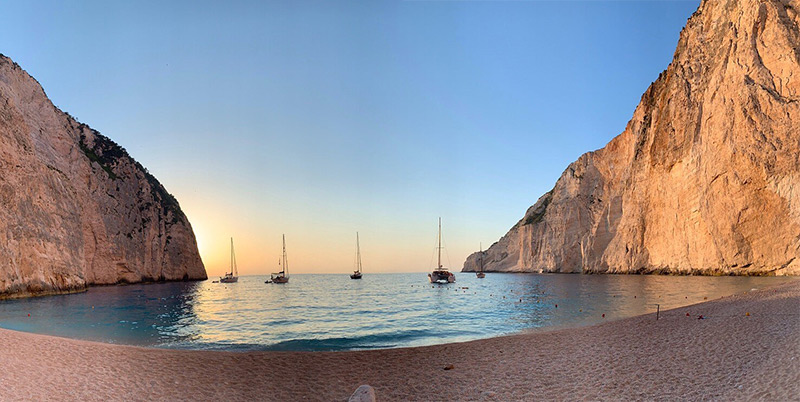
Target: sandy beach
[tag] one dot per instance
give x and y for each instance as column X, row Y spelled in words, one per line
column 728, row 355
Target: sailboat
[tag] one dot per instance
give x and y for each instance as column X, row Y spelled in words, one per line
column 233, row 276
column 441, row 274
column 480, row 273
column 283, row 263
column 357, row 273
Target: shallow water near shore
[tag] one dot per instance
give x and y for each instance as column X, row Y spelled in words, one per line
column 332, row 312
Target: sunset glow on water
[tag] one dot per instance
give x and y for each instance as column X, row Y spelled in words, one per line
column 333, row 312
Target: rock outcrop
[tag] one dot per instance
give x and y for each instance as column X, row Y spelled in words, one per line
column 705, row 179
column 75, row 208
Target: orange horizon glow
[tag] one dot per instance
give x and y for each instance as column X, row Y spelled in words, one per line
column 255, row 257
column 319, row 249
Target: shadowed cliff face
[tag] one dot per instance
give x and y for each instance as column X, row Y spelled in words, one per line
column 705, row 179
column 75, row 208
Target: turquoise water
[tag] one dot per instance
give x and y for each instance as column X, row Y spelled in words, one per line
column 333, row 312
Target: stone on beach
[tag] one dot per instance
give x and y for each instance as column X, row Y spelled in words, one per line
column 364, row 393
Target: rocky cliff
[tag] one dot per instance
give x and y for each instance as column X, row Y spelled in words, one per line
column 75, row 208
column 705, row 179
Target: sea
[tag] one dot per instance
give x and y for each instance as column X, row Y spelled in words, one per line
column 331, row 312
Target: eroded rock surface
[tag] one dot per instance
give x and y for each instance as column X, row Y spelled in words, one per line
column 705, row 179
column 75, row 208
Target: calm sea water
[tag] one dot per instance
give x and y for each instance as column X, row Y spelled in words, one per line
column 333, row 312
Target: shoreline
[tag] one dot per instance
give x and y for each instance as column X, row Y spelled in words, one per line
column 46, row 293
column 727, row 355
column 654, row 272
column 85, row 288
column 577, row 311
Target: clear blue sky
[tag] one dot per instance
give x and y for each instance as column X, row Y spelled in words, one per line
column 320, row 118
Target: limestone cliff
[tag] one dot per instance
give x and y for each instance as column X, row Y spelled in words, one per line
column 705, row 179
column 75, row 208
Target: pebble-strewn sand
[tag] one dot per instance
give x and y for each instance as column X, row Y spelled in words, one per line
column 727, row 356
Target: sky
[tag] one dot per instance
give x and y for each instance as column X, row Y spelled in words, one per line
column 317, row 119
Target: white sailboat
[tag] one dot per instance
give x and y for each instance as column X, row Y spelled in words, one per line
column 357, row 273
column 233, row 276
column 283, row 263
column 480, row 273
column 441, row 274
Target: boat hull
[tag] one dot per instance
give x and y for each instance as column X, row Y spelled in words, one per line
column 229, row 279
column 441, row 276
column 480, row 275
column 280, row 279
column 355, row 276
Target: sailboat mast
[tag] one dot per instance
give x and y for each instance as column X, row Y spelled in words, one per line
column 358, row 253
column 481, row 256
column 440, row 243
column 285, row 260
column 235, row 270
column 231, row 255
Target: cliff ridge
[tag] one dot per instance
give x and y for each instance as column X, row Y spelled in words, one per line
column 705, row 178
column 75, row 209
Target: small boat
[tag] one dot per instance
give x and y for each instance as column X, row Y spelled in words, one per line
column 233, row 276
column 357, row 273
column 480, row 273
column 441, row 274
column 283, row 263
